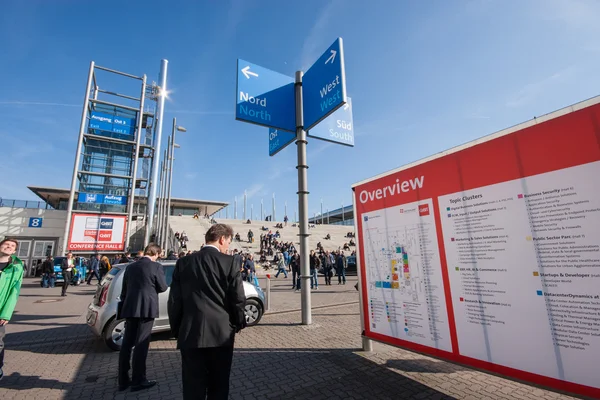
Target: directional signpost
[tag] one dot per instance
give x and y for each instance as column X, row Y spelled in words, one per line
column 265, row 97
column 324, row 86
column 337, row 128
column 278, row 140
column 270, row 99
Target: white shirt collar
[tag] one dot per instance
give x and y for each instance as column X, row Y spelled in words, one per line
column 214, row 247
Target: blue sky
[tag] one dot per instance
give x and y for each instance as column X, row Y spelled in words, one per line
column 423, row 77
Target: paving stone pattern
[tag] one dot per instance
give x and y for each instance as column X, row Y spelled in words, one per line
column 51, row 354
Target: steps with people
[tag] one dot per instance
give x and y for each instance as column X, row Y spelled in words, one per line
column 195, row 229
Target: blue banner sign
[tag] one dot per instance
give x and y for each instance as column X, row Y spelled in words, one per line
column 278, row 140
column 324, row 85
column 338, row 127
column 96, row 198
column 112, row 123
column 35, row 222
column 265, row 97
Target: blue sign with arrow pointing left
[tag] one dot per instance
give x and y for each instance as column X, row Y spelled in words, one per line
column 265, row 97
column 324, row 85
column 278, row 140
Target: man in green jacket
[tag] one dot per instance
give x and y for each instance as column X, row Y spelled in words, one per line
column 11, row 277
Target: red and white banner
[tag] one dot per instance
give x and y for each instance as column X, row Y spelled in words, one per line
column 94, row 232
column 490, row 256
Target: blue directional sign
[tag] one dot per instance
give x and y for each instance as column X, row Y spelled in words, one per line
column 112, row 123
column 278, row 140
column 35, row 222
column 338, row 127
column 324, row 85
column 265, row 97
column 97, row 198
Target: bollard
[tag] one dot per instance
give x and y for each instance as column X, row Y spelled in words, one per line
column 268, row 296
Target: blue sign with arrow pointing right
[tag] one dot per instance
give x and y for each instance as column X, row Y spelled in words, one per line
column 338, row 127
column 324, row 86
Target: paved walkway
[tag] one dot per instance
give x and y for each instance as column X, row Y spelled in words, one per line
column 52, row 355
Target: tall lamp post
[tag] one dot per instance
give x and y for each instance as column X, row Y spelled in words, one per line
column 170, row 162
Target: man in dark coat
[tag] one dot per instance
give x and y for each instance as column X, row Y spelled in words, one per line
column 210, row 285
column 67, row 266
column 143, row 280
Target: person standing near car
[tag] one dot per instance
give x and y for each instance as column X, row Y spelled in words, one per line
column 209, row 283
column 94, row 269
column 11, row 277
column 49, row 276
column 143, row 280
column 67, row 266
column 340, row 268
column 104, row 266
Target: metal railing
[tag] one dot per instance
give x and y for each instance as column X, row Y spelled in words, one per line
column 33, row 204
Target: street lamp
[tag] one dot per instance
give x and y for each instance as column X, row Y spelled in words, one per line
column 170, row 183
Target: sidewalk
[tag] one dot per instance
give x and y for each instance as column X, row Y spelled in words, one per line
column 52, row 355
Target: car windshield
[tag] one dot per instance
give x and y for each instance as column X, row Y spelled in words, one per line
column 58, row 260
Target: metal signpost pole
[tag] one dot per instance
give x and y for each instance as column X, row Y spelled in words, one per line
column 367, row 344
column 159, row 200
column 175, row 128
column 303, row 204
column 273, row 216
column 163, row 203
column 156, row 155
column 135, row 162
column 82, row 128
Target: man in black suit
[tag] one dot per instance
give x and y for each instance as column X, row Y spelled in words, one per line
column 142, row 282
column 67, row 265
column 210, row 285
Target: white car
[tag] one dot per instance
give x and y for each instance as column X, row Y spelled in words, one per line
column 102, row 311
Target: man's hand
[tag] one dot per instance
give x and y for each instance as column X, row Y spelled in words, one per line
column 3, row 322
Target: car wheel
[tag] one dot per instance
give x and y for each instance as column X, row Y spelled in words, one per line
column 253, row 311
column 113, row 334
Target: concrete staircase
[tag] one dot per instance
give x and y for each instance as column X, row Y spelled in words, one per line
column 196, row 229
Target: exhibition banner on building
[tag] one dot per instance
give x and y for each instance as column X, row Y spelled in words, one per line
column 94, row 232
column 489, row 255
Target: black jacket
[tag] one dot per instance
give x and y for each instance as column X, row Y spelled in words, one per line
column 48, row 267
column 64, row 264
column 206, row 300
column 142, row 282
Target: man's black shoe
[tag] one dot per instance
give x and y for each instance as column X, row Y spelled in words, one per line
column 124, row 386
column 143, row 385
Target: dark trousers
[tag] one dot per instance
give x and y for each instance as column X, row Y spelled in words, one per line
column 67, row 276
column 137, row 336
column 93, row 274
column 205, row 372
column 2, row 334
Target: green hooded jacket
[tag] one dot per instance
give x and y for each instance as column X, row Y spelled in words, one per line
column 10, row 286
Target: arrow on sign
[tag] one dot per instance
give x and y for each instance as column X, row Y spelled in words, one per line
column 331, row 57
column 346, row 106
column 246, row 71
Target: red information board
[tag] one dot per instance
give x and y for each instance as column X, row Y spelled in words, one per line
column 97, row 232
column 489, row 254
